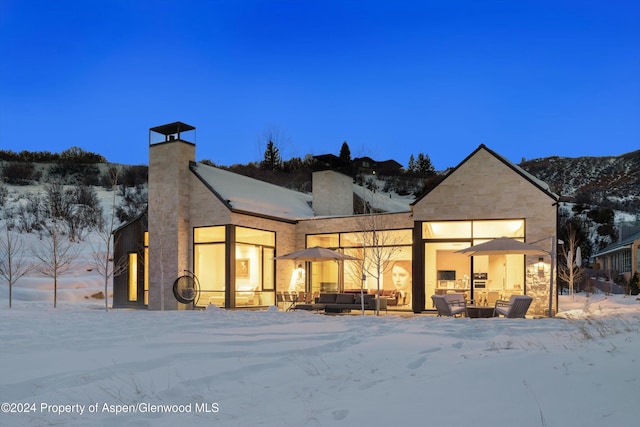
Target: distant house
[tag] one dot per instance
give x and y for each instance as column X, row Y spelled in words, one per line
column 332, row 162
column 622, row 257
column 388, row 168
column 227, row 230
column 369, row 166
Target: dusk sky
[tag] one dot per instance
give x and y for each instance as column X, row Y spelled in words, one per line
column 529, row 79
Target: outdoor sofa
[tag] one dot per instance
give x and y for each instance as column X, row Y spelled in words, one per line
column 339, row 303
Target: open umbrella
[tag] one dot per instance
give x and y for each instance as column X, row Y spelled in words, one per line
column 316, row 254
column 503, row 246
column 319, row 254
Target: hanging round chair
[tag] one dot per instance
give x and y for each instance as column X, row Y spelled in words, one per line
column 186, row 289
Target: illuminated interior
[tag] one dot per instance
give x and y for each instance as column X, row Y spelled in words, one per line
column 209, row 264
column 133, row 276
column 255, row 275
column 383, row 257
column 482, row 278
column 254, row 269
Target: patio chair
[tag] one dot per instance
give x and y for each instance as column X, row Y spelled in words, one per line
column 516, row 307
column 450, row 305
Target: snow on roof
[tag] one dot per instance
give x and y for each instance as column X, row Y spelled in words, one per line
column 252, row 195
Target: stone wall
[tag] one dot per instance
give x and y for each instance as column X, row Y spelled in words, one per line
column 484, row 187
column 332, row 193
column 169, row 222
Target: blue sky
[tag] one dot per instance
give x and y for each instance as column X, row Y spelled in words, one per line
column 527, row 78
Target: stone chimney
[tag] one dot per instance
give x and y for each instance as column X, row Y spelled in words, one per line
column 168, row 210
column 332, row 193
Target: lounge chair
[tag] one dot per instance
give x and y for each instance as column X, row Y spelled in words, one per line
column 516, row 307
column 450, row 305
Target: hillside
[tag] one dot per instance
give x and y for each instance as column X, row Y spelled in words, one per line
column 612, row 181
column 591, row 188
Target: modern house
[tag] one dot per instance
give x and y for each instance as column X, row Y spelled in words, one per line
column 228, row 229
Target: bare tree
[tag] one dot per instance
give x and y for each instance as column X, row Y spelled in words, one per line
column 13, row 261
column 571, row 270
column 56, row 253
column 379, row 248
column 102, row 251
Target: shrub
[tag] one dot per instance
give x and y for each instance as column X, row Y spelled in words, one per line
column 20, row 173
column 634, row 284
column 134, row 176
column 133, row 202
column 74, row 173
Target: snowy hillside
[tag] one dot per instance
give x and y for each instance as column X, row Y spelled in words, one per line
column 606, row 181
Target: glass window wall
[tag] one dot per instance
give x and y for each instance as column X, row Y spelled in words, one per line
column 209, row 264
column 383, row 258
column 255, row 273
column 481, row 278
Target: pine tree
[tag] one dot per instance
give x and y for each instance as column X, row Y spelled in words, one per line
column 424, row 165
column 345, row 153
column 411, row 166
column 272, row 160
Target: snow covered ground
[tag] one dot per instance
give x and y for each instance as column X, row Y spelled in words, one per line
column 79, row 365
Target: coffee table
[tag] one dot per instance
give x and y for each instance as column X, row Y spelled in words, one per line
column 479, row 311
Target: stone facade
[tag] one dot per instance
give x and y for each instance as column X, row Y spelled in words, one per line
column 332, row 193
column 486, row 187
column 483, row 187
column 169, row 219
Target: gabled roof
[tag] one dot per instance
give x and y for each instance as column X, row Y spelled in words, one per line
column 622, row 244
column 244, row 194
column 541, row 185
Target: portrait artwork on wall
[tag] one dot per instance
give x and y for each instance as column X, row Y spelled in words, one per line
column 242, row 268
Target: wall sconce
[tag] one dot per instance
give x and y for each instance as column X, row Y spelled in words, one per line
column 540, row 267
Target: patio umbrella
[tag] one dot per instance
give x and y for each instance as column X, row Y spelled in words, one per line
column 503, row 246
column 319, row 254
column 316, row 254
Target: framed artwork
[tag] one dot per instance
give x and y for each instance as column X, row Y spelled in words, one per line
column 242, row 268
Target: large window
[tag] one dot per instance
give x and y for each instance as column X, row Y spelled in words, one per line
column 253, row 270
column 626, row 261
column 209, row 264
column 383, row 259
column 483, row 278
column 255, row 274
column 133, row 276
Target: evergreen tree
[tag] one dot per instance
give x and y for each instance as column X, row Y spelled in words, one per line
column 272, row 160
column 411, row 166
column 424, row 166
column 345, row 153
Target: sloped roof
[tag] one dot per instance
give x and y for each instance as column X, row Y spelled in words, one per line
column 543, row 186
column 622, row 244
column 247, row 194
